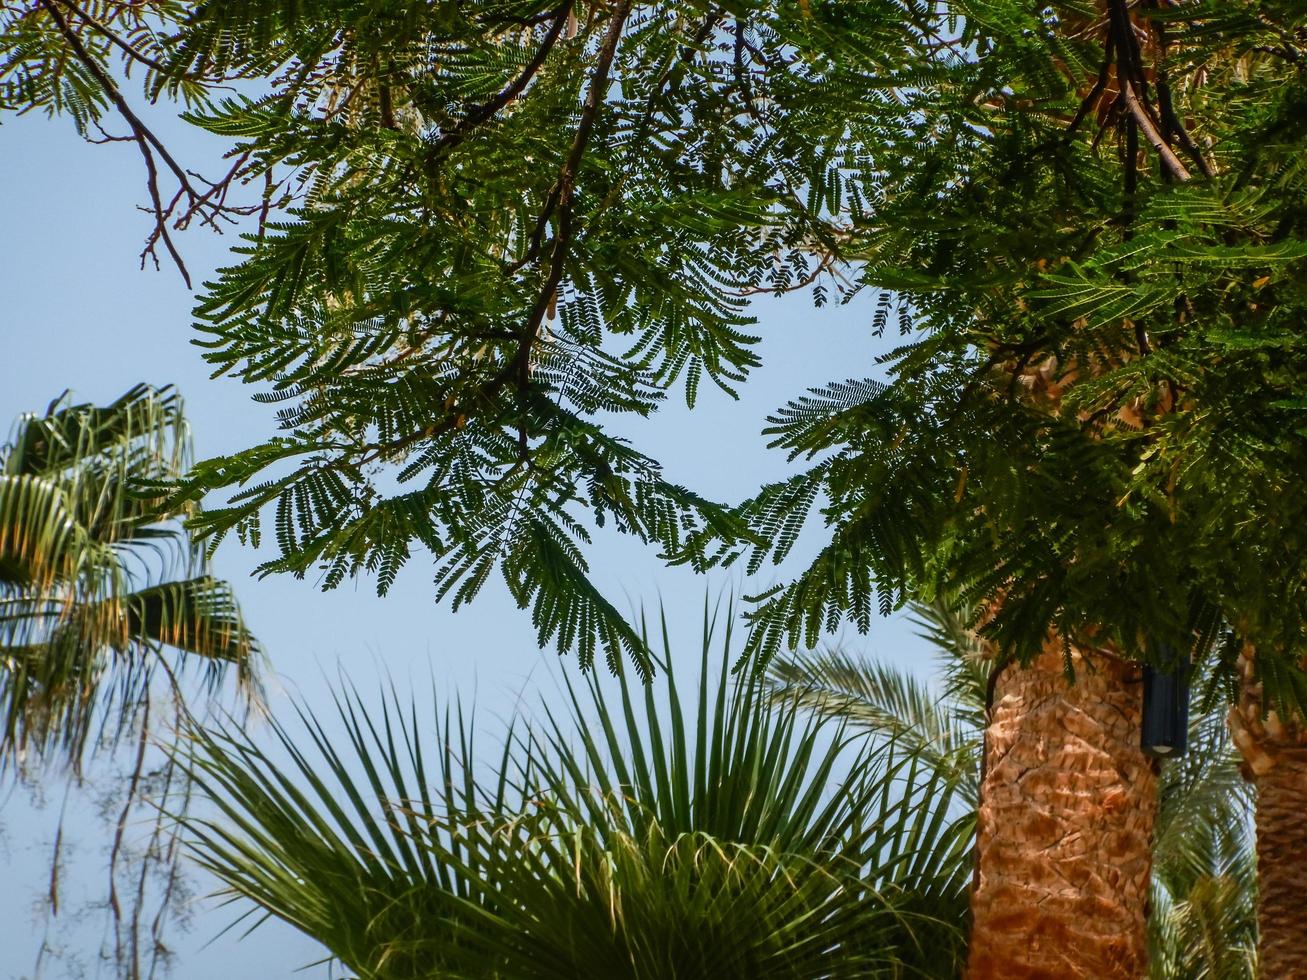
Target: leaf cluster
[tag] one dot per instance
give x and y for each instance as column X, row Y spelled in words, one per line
column 508, row 223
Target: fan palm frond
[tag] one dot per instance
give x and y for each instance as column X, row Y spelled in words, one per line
column 639, row 834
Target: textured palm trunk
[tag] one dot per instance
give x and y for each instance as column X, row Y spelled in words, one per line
column 1276, row 760
column 1065, row 824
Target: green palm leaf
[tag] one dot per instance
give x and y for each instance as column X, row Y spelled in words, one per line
column 944, row 733
column 97, row 579
column 1204, row 923
column 640, row 834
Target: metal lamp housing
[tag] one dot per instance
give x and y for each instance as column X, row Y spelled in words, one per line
column 1166, row 710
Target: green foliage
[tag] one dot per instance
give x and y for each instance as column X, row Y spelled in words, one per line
column 639, row 835
column 1096, row 426
column 97, row 580
column 483, row 229
column 38, row 71
column 507, row 223
column 106, row 607
column 486, row 228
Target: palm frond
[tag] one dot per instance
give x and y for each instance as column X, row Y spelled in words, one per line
column 1204, row 863
column 89, row 593
column 943, row 728
column 637, row 835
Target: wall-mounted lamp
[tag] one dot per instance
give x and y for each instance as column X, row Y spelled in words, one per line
column 1166, row 707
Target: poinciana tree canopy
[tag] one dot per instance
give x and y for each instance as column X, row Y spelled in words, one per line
column 484, row 228
column 1098, row 423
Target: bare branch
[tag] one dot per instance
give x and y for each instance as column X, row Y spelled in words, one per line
column 208, row 204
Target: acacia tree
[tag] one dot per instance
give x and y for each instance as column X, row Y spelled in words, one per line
column 1090, row 210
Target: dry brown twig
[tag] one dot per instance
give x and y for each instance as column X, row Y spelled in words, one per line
column 195, row 196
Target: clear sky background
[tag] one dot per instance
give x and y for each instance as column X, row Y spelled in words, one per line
column 76, row 312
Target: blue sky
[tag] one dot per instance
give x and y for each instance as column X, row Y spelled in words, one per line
column 76, row 312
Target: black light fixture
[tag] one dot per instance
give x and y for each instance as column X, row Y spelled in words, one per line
column 1166, row 707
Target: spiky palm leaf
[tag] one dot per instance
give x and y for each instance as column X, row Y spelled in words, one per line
column 97, row 584
column 638, row 835
column 1204, row 920
column 96, row 580
column 1204, row 873
column 876, row 697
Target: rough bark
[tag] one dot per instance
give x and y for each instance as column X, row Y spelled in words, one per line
column 1065, row 824
column 1275, row 756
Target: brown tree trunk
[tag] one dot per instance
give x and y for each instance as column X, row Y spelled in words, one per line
column 1275, row 756
column 1065, row 825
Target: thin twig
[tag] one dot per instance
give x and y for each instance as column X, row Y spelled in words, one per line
column 208, row 204
column 139, row 131
column 826, row 261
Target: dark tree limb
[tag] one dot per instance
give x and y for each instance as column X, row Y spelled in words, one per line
column 207, row 204
column 1099, row 85
column 1134, row 91
column 560, row 200
column 1172, row 126
column 483, row 112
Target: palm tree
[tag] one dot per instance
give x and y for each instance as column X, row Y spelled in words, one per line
column 1203, row 884
column 637, row 835
column 1273, row 744
column 96, row 581
column 97, row 584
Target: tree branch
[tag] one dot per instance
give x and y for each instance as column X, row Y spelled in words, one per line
column 1134, row 91
column 1170, row 120
column 114, row 39
column 1095, row 92
column 560, row 198
column 515, row 88
column 139, row 136
column 208, row 204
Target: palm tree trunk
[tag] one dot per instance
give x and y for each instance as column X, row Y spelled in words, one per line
column 1065, row 824
column 1275, row 756
column 1282, row 867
